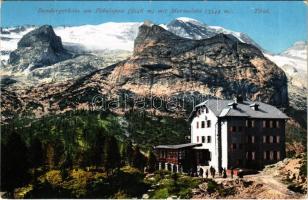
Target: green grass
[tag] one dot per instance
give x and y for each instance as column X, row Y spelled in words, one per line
column 128, row 182
column 167, row 184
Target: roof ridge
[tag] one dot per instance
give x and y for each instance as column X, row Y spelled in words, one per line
column 226, row 110
column 220, row 108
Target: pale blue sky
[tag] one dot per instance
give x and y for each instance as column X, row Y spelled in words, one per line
column 281, row 24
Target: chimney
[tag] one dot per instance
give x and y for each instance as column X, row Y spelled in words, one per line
column 233, row 105
column 238, row 99
column 254, row 106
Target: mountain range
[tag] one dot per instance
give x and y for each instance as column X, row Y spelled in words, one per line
column 116, row 40
column 115, row 36
column 70, row 65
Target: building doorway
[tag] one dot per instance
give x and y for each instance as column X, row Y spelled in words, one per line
column 203, row 157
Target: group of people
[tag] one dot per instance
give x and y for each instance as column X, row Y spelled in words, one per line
column 222, row 172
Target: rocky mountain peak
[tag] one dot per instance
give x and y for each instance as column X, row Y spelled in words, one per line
column 297, row 50
column 156, row 37
column 187, row 23
column 156, row 41
column 44, row 34
column 164, row 64
column 190, row 28
column 38, row 48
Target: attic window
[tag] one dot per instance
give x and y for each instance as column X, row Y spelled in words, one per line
column 254, row 106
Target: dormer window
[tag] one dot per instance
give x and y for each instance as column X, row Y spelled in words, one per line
column 254, row 106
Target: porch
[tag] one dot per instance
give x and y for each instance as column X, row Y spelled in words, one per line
column 182, row 157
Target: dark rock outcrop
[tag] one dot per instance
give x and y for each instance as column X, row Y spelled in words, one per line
column 38, row 48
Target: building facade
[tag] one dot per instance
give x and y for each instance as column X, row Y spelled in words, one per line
column 235, row 134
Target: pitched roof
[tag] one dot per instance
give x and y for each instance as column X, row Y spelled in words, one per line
column 243, row 109
column 177, row 146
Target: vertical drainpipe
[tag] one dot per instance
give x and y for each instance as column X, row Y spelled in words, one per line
column 219, row 143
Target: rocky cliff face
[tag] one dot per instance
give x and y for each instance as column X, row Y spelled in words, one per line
column 222, row 66
column 164, row 64
column 38, row 48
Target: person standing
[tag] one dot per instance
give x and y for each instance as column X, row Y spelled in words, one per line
column 220, row 171
column 224, row 173
column 201, row 172
column 232, row 173
column 211, row 171
column 207, row 173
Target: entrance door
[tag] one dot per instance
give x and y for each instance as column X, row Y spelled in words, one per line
column 203, row 157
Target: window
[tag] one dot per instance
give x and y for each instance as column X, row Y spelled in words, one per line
column 271, row 124
column 271, row 155
column 246, row 123
column 206, row 110
column 164, row 154
column 267, row 154
column 197, row 124
column 232, row 128
column 274, row 139
column 264, row 124
column 233, row 146
column 208, row 123
column 198, row 113
column 267, row 124
column 264, row 155
column 267, row 139
column 278, row 139
column 264, row 139
column 278, row 155
column 253, row 155
column 271, row 139
column 203, row 124
column 209, row 139
column 252, row 139
column 203, row 139
column 181, row 155
column 161, row 155
column 277, row 124
column 250, row 123
column 197, row 139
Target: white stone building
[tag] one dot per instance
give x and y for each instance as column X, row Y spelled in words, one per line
column 236, row 133
column 229, row 134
